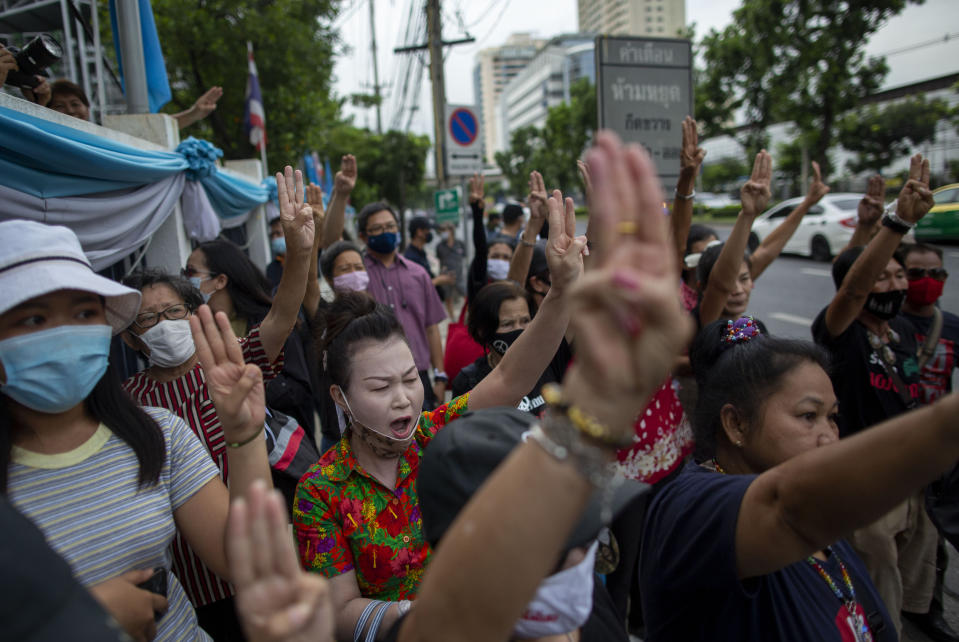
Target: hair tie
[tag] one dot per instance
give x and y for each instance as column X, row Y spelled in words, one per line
column 742, row 330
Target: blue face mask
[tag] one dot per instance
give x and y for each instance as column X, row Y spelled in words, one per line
column 197, row 281
column 53, row 370
column 278, row 246
column 383, row 243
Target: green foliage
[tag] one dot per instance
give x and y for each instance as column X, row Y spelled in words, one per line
column 879, row 136
column 791, row 60
column 204, row 44
column 720, row 175
column 554, row 149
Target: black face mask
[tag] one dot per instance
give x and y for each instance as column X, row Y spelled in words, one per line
column 503, row 340
column 429, row 237
column 885, row 305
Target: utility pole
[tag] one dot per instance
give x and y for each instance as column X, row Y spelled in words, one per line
column 434, row 30
column 435, row 44
column 376, row 73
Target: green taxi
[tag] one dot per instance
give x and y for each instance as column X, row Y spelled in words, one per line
column 942, row 221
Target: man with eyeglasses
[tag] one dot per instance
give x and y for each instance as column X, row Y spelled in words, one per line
column 408, row 289
column 926, row 277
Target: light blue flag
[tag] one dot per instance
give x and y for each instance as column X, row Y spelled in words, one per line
column 158, row 85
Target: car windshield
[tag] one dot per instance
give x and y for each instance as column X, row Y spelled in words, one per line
column 945, row 196
column 846, row 203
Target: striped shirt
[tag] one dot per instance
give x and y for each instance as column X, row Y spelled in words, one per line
column 188, row 398
column 93, row 512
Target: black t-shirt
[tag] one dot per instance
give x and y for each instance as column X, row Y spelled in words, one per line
column 690, row 586
column 418, row 256
column 533, row 403
column 867, row 394
column 40, row 601
column 936, row 376
column 603, row 624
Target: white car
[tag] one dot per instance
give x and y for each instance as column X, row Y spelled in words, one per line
column 823, row 232
column 712, row 200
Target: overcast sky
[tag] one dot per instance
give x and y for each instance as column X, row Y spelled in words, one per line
column 491, row 22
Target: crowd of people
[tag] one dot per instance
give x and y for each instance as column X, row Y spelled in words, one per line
column 605, row 442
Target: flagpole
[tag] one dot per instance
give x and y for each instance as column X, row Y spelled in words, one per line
column 266, row 168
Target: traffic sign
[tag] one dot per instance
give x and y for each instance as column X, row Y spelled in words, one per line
column 464, row 147
column 447, row 205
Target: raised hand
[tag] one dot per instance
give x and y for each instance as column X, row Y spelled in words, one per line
column 40, row 94
column 314, row 197
column 538, row 209
column 345, row 179
column 691, row 155
column 564, row 250
column 872, row 204
column 755, row 193
column 276, row 600
column 915, row 199
column 625, row 311
column 296, row 216
column 817, row 189
column 206, row 104
column 587, row 182
column 235, row 387
column 477, row 183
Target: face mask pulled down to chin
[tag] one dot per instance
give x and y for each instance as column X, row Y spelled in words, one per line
column 382, row 444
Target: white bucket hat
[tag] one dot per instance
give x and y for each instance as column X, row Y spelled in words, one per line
column 36, row 259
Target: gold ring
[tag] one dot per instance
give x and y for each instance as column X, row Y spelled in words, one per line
column 627, row 228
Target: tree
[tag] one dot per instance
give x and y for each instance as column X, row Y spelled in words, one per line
column 793, row 60
column 880, row 136
column 720, row 175
column 204, row 44
column 554, row 149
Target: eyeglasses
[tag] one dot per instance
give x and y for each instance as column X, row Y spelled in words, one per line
column 914, row 274
column 381, row 229
column 172, row 313
column 188, row 271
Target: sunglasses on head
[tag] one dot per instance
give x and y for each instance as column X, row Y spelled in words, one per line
column 914, row 274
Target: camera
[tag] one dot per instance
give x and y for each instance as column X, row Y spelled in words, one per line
column 33, row 60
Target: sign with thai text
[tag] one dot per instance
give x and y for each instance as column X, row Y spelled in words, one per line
column 644, row 91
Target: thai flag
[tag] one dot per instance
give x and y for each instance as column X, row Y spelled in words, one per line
column 254, row 118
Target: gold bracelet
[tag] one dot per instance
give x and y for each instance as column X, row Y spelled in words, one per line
column 238, row 444
column 588, row 426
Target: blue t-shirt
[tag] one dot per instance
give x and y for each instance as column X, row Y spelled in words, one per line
column 689, row 584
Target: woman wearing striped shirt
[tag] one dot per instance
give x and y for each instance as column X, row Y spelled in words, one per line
column 107, row 482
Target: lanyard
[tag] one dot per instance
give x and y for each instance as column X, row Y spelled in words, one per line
column 857, row 621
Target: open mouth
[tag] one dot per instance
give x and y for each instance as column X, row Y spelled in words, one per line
column 402, row 427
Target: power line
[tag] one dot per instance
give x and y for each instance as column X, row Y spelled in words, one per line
column 921, row 45
column 495, row 23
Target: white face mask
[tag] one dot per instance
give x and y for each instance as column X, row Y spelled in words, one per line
column 562, row 602
column 170, row 343
column 382, row 444
column 497, row 269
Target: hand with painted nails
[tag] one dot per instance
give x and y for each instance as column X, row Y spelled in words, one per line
column 625, row 312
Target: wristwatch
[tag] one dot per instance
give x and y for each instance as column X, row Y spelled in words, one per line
column 896, row 224
column 439, row 375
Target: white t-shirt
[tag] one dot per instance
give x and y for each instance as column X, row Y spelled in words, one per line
column 93, row 512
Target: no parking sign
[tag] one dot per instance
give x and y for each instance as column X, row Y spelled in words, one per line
column 464, row 149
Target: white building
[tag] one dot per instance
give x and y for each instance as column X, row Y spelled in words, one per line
column 660, row 18
column 544, row 83
column 494, row 68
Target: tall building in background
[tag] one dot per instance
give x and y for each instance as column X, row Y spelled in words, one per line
column 494, row 69
column 659, row 18
column 545, row 82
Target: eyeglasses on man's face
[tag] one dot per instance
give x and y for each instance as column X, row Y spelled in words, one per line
column 172, row 313
column 374, row 230
column 914, row 274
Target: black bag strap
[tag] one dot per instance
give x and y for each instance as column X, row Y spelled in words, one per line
column 928, row 347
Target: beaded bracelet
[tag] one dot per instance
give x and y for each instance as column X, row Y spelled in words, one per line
column 584, row 423
column 238, row 444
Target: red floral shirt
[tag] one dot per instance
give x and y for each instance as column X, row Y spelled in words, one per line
column 346, row 520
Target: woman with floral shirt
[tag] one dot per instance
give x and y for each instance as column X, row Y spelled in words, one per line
column 356, row 514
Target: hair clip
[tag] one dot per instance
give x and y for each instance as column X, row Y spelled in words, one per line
column 742, row 330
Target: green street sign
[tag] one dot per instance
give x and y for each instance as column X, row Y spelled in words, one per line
column 446, row 202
